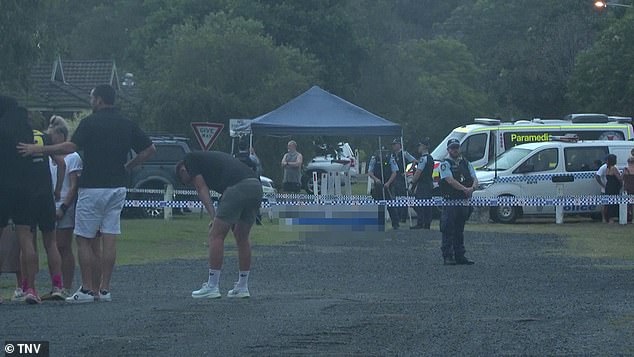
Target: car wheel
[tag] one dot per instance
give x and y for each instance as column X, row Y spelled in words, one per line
column 505, row 214
column 153, row 212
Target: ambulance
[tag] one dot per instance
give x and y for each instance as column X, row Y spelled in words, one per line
column 486, row 138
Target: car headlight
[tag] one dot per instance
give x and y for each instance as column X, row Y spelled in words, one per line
column 484, row 185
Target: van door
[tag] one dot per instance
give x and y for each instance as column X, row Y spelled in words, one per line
column 534, row 183
column 583, row 162
column 475, row 149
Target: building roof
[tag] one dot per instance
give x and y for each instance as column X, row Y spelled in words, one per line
column 64, row 86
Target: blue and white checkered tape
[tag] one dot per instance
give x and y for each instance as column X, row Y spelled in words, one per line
column 435, row 201
column 543, row 177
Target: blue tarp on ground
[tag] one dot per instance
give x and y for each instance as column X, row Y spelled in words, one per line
column 317, row 112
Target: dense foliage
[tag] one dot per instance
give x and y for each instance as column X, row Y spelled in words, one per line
column 429, row 65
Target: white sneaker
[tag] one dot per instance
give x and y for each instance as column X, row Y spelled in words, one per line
column 206, row 292
column 81, row 297
column 107, row 297
column 18, row 295
column 237, row 292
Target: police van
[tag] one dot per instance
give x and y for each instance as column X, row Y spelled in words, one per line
column 486, row 138
column 537, row 169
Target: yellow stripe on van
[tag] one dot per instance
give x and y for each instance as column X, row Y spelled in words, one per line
column 551, row 127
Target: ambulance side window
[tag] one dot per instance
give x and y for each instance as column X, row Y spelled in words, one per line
column 474, row 147
column 584, row 158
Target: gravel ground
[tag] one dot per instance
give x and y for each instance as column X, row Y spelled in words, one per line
column 351, row 295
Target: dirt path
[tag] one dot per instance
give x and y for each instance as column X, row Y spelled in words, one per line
column 376, row 295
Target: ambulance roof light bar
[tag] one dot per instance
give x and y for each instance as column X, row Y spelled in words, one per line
column 620, row 119
column 487, row 121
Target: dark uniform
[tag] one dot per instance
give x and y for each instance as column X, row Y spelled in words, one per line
column 454, row 217
column 382, row 165
column 399, row 188
column 423, row 190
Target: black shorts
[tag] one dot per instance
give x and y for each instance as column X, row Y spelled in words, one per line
column 42, row 209
column 14, row 205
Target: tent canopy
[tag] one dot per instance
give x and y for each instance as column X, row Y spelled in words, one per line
column 317, row 112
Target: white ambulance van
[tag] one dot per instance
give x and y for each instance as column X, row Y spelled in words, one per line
column 487, row 138
column 536, row 169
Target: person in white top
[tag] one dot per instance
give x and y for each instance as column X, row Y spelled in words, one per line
column 65, row 206
column 600, row 176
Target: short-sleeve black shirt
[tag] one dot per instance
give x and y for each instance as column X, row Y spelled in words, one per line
column 106, row 137
column 220, row 170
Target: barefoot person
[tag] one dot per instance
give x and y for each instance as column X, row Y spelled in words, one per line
column 238, row 206
column 106, row 137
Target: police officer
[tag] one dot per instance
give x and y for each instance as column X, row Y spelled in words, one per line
column 399, row 187
column 423, row 184
column 457, row 181
column 383, row 171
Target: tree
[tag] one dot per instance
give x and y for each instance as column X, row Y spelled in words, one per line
column 224, row 68
column 321, row 28
column 21, row 42
column 603, row 77
column 527, row 49
column 429, row 87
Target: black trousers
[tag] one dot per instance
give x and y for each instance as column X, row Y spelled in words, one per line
column 423, row 213
column 452, row 226
column 379, row 192
column 399, row 189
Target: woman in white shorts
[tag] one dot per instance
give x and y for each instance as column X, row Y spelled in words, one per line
column 65, row 206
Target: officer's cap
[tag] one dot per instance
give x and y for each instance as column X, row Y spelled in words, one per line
column 424, row 141
column 453, row 143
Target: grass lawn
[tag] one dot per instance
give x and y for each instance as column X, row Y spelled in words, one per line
column 149, row 240
column 583, row 237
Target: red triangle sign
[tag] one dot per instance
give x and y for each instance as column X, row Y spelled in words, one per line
column 206, row 133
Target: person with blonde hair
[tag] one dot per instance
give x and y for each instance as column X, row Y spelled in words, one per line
column 292, row 164
column 65, row 205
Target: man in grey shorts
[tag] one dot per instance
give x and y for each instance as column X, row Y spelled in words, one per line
column 241, row 192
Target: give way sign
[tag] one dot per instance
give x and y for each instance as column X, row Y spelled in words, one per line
column 206, row 133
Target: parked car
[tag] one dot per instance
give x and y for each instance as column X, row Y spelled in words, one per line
column 158, row 172
column 341, row 158
column 527, row 171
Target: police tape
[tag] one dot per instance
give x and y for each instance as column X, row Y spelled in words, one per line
column 434, row 201
column 544, row 177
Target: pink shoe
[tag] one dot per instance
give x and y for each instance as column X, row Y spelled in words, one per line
column 31, row 297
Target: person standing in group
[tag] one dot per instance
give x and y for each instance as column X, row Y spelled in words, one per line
column 43, row 193
column 292, row 164
column 600, row 177
column 457, row 181
column 241, row 196
column 383, row 170
column 424, row 184
column 612, row 187
column 14, row 190
column 399, row 188
column 106, row 137
column 628, row 183
column 65, row 205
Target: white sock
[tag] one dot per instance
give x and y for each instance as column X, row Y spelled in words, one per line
column 243, row 279
column 214, row 278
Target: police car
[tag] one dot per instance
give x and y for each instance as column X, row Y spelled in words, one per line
column 537, row 169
